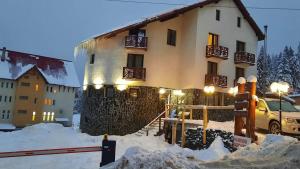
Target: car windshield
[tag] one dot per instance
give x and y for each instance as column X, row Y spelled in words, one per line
column 285, row 106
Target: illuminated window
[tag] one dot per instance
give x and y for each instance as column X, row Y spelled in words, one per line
column 213, row 39
column 33, row 116
column 46, row 101
column 44, row 116
column 48, row 116
column 36, row 87
column 49, row 102
column 52, row 116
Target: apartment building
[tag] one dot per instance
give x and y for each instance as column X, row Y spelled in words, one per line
column 209, row 43
column 35, row 89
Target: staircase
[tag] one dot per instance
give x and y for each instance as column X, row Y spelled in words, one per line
column 153, row 127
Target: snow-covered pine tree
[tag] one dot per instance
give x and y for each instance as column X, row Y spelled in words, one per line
column 295, row 67
column 284, row 70
column 262, row 72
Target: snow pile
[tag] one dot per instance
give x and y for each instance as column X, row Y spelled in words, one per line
column 173, row 157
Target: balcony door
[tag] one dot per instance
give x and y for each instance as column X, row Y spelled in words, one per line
column 240, row 46
column 239, row 72
column 135, row 61
column 138, row 32
column 212, row 68
column 213, row 39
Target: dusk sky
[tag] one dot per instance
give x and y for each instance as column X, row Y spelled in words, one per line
column 54, row 27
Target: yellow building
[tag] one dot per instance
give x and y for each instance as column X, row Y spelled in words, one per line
column 35, row 89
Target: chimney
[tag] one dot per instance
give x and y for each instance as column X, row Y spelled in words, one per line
column 3, row 54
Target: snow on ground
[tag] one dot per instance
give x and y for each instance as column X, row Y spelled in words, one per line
column 140, row 151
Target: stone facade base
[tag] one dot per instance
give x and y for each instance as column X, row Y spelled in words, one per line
column 109, row 111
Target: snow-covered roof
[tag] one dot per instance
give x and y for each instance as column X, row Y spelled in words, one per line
column 55, row 71
column 174, row 13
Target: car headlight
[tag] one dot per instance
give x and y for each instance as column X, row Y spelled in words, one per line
column 289, row 120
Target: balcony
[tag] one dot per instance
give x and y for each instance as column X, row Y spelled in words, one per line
column 135, row 74
column 217, row 52
column 216, row 80
column 134, row 41
column 244, row 58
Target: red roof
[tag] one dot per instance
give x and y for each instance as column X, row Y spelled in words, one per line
column 176, row 12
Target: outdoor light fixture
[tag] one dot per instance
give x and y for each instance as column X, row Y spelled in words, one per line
column 178, row 93
column 162, row 91
column 122, row 87
column 233, row 91
column 209, row 89
column 98, row 86
column 280, row 88
column 84, row 87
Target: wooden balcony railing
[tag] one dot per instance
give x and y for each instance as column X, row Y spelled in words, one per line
column 217, row 51
column 244, row 57
column 134, row 41
column 132, row 73
column 216, row 80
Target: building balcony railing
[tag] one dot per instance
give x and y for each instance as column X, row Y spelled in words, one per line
column 132, row 73
column 217, row 52
column 244, row 58
column 216, row 80
column 134, row 41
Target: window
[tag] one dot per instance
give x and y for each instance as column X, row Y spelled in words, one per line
column 7, row 114
column 51, row 89
column 46, row 101
column 11, row 85
column 48, row 116
column 240, row 46
column 36, row 87
column 26, row 77
column 171, row 39
column 68, row 89
column 35, row 100
column 213, row 39
column 5, row 98
column 239, row 72
column 44, row 116
column 52, row 116
column 0, row 98
column 23, row 97
column 218, row 14
column 25, row 84
column 53, row 102
column 9, row 99
column 22, row 111
column 135, row 60
column 3, row 114
column 64, row 88
column 212, row 68
column 239, row 22
column 109, row 92
column 47, row 88
column 2, row 84
column 33, row 116
column 92, row 59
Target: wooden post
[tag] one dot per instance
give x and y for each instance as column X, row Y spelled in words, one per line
column 167, row 111
column 191, row 114
column 183, row 129
column 174, row 127
column 204, row 124
column 238, row 120
column 251, row 115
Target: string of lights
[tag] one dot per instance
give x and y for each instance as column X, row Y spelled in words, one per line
column 182, row 4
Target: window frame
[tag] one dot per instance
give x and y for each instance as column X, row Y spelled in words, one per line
column 218, row 14
column 212, row 68
column 92, row 59
column 134, row 60
column 239, row 22
column 171, row 37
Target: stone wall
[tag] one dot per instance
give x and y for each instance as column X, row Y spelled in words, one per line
column 120, row 112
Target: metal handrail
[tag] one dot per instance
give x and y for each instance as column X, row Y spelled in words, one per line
column 157, row 118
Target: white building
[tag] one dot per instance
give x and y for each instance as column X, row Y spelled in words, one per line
column 212, row 42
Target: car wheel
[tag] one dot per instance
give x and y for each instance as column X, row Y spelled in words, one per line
column 274, row 127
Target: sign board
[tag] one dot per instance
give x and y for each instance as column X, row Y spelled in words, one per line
column 239, row 141
column 241, row 113
column 242, row 96
column 241, row 105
